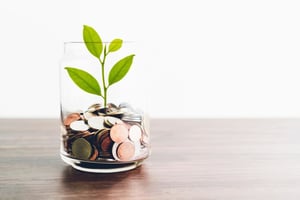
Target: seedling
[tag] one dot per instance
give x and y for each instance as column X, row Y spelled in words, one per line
column 100, row 51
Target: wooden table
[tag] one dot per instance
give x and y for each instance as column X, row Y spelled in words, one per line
column 209, row 159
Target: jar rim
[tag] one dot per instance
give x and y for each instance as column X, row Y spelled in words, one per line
column 104, row 42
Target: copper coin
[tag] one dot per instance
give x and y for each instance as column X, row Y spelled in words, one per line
column 105, row 142
column 126, row 151
column 71, row 118
column 95, row 153
column 83, row 133
column 101, row 133
column 119, row 133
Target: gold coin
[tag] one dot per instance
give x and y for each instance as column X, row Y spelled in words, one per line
column 81, row 149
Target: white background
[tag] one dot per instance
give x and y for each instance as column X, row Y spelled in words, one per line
column 211, row 58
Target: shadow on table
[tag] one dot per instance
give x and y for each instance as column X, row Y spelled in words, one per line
column 77, row 183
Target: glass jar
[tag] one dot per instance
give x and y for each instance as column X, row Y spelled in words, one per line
column 103, row 135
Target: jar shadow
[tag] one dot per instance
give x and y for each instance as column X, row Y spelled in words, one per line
column 75, row 183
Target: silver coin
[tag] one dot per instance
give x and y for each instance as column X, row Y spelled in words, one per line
column 112, row 111
column 79, row 126
column 137, row 146
column 87, row 115
column 96, row 122
column 111, row 105
column 132, row 117
column 135, row 133
column 114, row 151
column 145, row 139
column 125, row 105
column 101, row 111
column 94, row 107
column 110, row 121
column 125, row 110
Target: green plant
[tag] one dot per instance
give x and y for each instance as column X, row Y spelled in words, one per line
column 97, row 48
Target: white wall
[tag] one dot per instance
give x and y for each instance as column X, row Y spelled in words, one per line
column 208, row 58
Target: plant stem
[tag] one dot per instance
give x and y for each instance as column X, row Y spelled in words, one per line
column 103, row 78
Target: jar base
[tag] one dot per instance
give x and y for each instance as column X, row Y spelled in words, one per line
column 100, row 167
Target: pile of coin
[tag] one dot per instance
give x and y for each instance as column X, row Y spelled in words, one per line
column 112, row 133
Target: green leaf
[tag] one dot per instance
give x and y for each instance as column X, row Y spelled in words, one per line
column 84, row 80
column 92, row 41
column 115, row 45
column 120, row 69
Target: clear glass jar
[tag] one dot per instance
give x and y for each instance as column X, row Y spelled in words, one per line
column 103, row 138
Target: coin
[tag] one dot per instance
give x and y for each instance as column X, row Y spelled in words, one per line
column 132, row 117
column 94, row 107
column 96, row 122
column 105, row 142
column 106, row 133
column 95, row 153
column 125, row 108
column 110, row 121
column 145, row 139
column 101, row 112
column 87, row 115
column 81, row 149
column 138, row 147
column 83, row 134
column 125, row 105
column 125, row 151
column 79, row 125
column 119, row 133
column 114, row 112
column 71, row 118
column 111, row 105
column 101, row 132
column 135, row 133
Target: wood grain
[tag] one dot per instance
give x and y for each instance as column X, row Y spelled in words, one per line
column 209, row 159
